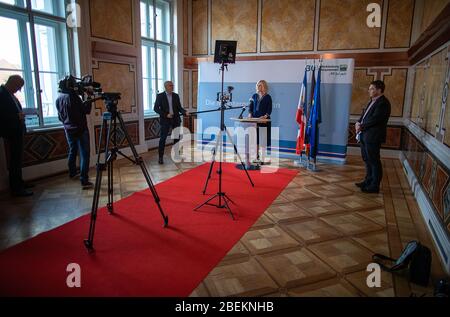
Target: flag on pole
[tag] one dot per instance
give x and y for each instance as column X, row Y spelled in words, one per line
column 315, row 118
column 301, row 116
column 310, row 103
column 311, row 95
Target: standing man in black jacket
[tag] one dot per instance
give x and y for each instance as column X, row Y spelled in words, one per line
column 168, row 106
column 371, row 133
column 72, row 113
column 12, row 129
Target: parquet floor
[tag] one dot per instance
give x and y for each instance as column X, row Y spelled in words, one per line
column 316, row 239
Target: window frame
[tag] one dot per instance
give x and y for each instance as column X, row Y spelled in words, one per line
column 24, row 14
column 151, row 42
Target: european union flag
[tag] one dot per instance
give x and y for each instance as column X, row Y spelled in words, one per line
column 315, row 118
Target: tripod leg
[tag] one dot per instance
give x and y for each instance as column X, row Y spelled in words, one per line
column 152, row 189
column 110, row 187
column 109, row 157
column 230, row 199
column 206, row 202
column 227, row 206
column 141, row 163
column 240, row 159
column 126, row 157
column 211, row 166
column 219, row 171
column 209, row 176
column 89, row 242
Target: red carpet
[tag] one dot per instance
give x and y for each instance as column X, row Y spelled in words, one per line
column 135, row 255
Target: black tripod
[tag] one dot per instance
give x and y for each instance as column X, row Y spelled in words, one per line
column 109, row 124
column 223, row 198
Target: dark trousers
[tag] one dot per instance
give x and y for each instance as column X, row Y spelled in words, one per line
column 79, row 142
column 374, row 171
column 166, row 125
column 15, row 143
column 268, row 127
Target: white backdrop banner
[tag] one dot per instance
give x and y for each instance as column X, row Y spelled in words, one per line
column 284, row 78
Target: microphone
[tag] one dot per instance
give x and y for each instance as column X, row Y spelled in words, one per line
column 243, row 108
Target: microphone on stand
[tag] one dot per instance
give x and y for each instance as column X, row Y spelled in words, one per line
column 243, row 108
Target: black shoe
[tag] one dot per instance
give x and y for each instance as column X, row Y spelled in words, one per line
column 22, row 193
column 28, row 185
column 160, row 160
column 73, row 176
column 361, row 184
column 87, row 185
column 370, row 190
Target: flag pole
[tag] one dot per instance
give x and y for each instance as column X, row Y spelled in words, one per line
column 300, row 135
column 313, row 74
column 303, row 147
column 301, row 150
column 317, row 151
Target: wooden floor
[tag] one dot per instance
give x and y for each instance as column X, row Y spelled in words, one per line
column 316, row 238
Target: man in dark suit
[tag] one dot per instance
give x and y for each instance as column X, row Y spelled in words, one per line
column 168, row 106
column 371, row 133
column 12, row 129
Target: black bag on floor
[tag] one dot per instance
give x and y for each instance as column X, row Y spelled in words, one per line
column 415, row 257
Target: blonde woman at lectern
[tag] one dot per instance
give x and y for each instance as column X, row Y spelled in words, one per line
column 261, row 107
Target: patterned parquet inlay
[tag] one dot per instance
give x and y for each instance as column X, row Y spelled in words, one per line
column 312, row 230
column 316, row 239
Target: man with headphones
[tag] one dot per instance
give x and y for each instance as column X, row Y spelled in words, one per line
column 72, row 113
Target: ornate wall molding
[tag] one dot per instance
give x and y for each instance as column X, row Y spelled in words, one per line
column 116, row 77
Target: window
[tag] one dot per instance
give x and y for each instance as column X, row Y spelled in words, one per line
column 38, row 49
column 157, row 49
column 20, row 3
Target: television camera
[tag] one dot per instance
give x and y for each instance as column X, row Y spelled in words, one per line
column 87, row 88
column 79, row 85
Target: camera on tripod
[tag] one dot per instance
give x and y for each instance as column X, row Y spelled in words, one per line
column 227, row 96
column 86, row 86
column 79, row 85
column 111, row 100
column 112, row 123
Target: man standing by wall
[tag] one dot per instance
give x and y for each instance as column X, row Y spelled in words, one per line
column 72, row 113
column 168, row 106
column 12, row 128
column 371, row 133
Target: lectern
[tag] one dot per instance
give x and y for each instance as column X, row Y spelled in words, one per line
column 243, row 138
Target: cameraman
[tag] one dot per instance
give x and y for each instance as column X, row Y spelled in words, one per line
column 72, row 113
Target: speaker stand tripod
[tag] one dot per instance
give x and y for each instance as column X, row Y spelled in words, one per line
column 223, row 197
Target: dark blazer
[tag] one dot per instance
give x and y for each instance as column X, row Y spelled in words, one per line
column 10, row 124
column 162, row 108
column 374, row 126
column 72, row 112
column 262, row 107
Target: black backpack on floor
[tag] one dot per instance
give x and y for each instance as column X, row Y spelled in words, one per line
column 415, row 257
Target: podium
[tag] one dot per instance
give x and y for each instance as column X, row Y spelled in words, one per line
column 246, row 123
